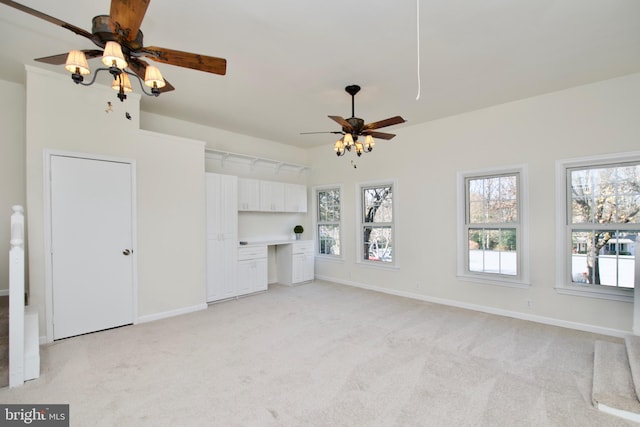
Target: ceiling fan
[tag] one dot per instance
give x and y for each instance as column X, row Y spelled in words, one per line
column 122, row 26
column 354, row 127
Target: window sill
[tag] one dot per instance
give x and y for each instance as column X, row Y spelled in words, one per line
column 495, row 281
column 329, row 258
column 589, row 292
column 378, row 265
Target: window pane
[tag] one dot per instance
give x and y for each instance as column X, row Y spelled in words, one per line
column 603, row 257
column 605, row 195
column 493, row 251
column 493, row 199
column 329, row 205
column 378, row 244
column 377, row 204
column 329, row 239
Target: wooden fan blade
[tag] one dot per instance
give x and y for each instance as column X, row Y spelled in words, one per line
column 329, row 131
column 62, row 58
column 126, row 17
column 209, row 64
column 49, row 18
column 139, row 67
column 379, row 135
column 342, row 122
column 384, row 123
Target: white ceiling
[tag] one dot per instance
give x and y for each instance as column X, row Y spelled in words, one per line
column 289, row 60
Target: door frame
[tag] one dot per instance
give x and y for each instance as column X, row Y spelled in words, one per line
column 47, row 226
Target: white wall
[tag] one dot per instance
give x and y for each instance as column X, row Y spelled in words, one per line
column 12, row 179
column 170, row 188
column 587, row 120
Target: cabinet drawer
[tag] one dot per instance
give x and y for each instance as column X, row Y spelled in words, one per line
column 252, row 252
column 303, row 247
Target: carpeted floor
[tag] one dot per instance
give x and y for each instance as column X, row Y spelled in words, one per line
column 323, row 355
column 4, row 341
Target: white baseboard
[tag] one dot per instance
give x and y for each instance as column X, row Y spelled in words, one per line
column 484, row 309
column 171, row 313
column 631, row 416
column 4, row 292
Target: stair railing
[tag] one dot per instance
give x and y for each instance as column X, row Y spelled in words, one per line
column 16, row 298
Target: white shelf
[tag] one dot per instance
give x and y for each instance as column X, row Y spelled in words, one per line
column 253, row 161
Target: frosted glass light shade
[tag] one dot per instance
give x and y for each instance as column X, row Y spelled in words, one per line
column 348, row 140
column 153, row 77
column 338, row 145
column 369, row 142
column 113, row 56
column 77, row 62
column 126, row 83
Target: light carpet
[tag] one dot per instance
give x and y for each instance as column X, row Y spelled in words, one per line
column 323, row 355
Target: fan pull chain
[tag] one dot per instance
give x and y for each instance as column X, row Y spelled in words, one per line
column 418, row 43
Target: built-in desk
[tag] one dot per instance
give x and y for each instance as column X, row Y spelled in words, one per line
column 294, row 261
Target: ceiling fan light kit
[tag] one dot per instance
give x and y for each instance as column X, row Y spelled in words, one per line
column 118, row 35
column 354, row 127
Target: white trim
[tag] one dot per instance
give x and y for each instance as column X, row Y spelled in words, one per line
column 395, row 224
column 523, row 278
column 170, row 313
column 627, row 415
column 48, row 271
column 314, row 221
column 563, row 283
column 484, row 309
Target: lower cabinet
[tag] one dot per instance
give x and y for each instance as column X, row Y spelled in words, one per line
column 252, row 270
column 295, row 262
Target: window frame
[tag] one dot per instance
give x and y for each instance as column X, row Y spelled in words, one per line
column 394, row 264
column 522, row 278
column 317, row 222
column 564, row 283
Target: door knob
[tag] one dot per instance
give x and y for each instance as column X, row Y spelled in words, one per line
column 126, row 252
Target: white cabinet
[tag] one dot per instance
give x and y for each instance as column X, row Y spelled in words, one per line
column 295, row 262
column 248, row 194
column 271, row 196
column 252, row 269
column 222, row 235
column 295, row 198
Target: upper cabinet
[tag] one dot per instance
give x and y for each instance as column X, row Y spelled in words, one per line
column 248, row 194
column 271, row 196
column 295, row 198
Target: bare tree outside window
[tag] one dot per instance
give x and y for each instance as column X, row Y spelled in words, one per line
column 328, row 221
column 377, row 223
column 492, row 224
column 604, row 223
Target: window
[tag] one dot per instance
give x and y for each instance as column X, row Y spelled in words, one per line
column 601, row 224
column 328, row 221
column 491, row 232
column 377, row 224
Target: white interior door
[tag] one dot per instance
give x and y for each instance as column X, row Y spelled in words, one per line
column 91, row 245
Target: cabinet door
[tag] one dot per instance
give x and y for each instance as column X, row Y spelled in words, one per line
column 295, row 197
column 221, row 271
column 248, row 194
column 228, row 199
column 271, row 196
column 297, row 268
column 261, row 276
column 221, row 203
column 245, row 277
column 307, row 267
